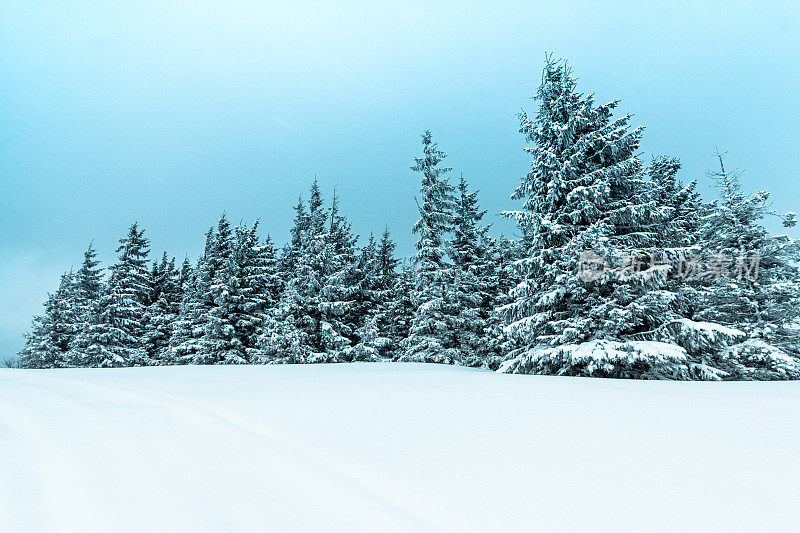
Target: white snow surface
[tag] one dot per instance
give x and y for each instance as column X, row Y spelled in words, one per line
column 392, row 447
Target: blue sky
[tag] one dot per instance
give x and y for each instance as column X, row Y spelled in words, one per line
column 169, row 113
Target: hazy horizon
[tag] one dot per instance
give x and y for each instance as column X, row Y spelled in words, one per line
column 170, row 113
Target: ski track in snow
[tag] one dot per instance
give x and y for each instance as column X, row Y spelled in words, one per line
column 211, row 449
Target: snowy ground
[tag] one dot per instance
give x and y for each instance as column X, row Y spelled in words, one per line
column 391, row 447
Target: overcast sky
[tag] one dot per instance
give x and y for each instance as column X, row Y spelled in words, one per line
column 169, row 113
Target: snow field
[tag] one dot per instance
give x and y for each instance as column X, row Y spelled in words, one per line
column 391, row 447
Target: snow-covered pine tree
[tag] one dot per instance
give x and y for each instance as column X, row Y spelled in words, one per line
column 680, row 234
column 386, row 262
column 586, row 196
column 290, row 253
column 321, row 310
column 474, row 285
column 430, row 336
column 115, row 332
column 400, row 308
column 756, row 284
column 185, row 276
column 751, row 277
column 163, row 307
column 371, row 342
column 88, row 282
column 271, row 283
column 286, row 337
column 186, row 341
column 341, row 312
column 129, row 289
column 502, row 277
column 88, row 289
column 684, row 208
column 294, row 329
column 387, row 313
column 390, row 308
column 52, row 332
column 220, row 297
column 249, row 286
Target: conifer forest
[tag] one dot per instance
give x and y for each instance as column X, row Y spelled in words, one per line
column 617, row 268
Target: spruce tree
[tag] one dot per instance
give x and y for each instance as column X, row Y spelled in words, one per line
column 586, row 202
column 294, row 328
column 682, row 205
column 339, row 298
column 474, row 285
column 52, row 332
column 430, row 334
column 368, row 313
column 88, row 281
column 209, row 332
column 87, row 291
column 382, row 320
column 185, row 276
column 248, row 286
column 386, row 296
column 163, row 307
column 750, row 278
column 115, row 332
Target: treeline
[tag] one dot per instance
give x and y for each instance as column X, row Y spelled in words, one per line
column 619, row 270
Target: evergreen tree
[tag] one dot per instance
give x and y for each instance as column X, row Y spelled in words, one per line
column 88, row 282
column 339, row 298
column 435, row 212
column 502, row 276
column 389, row 316
column 430, row 335
column 248, row 286
column 385, row 318
column 386, row 262
column 88, row 288
column 291, row 252
column 683, row 207
column 586, row 201
column 187, row 329
column 52, row 332
column 295, row 329
column 115, row 332
column 374, row 273
column 474, row 284
column 185, row 276
column 163, row 307
column 751, row 277
column 204, row 331
column 400, row 309
column 129, row 291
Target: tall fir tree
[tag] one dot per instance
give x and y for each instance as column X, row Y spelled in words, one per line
column 683, row 206
column 88, row 289
column 162, row 310
column 115, row 333
column 390, row 316
column 751, row 276
column 340, row 299
column 474, row 284
column 88, row 281
column 247, row 287
column 430, row 335
column 586, row 203
column 294, row 328
column 53, row 331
